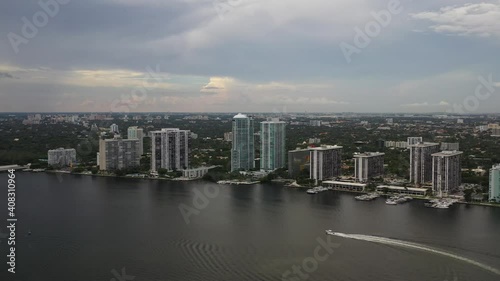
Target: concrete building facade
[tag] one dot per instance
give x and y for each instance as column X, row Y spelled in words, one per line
column 118, row 153
column 446, row 172
column 368, row 165
column 325, row 162
column 61, row 157
column 170, row 149
column 421, row 162
column 137, row 133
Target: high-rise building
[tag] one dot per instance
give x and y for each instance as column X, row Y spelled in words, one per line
column 495, row 183
column 272, row 145
column 243, row 148
column 298, row 161
column 326, row 162
column 228, row 136
column 368, row 165
column 113, row 128
column 315, row 123
column 61, row 157
column 450, row 146
column 118, row 153
column 421, row 162
column 446, row 172
column 170, row 149
column 414, row 140
column 135, row 132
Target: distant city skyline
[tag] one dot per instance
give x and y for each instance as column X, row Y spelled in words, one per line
column 256, row 56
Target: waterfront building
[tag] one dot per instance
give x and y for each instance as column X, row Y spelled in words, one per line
column 135, row 132
column 273, row 146
column 368, row 165
column 421, row 162
column 170, row 149
column 494, row 193
column 446, row 172
column 298, row 161
column 325, row 162
column 118, row 153
column 243, row 147
column 61, row 157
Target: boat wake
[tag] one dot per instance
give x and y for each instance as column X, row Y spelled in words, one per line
column 400, row 243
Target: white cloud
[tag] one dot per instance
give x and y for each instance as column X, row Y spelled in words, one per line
column 480, row 19
column 426, row 104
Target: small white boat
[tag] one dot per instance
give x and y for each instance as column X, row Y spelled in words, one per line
column 390, row 202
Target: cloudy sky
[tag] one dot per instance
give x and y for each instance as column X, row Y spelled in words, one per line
column 250, row 55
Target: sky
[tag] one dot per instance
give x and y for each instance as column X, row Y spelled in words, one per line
column 250, row 56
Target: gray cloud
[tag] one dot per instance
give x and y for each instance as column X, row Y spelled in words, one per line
column 269, row 53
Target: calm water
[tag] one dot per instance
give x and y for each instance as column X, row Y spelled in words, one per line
column 84, row 227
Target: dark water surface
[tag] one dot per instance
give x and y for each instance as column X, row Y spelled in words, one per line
column 85, row 227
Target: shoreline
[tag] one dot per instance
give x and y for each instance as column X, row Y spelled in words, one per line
column 230, row 182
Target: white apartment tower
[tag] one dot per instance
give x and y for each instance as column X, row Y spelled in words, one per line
column 273, row 146
column 61, row 157
column 243, row 147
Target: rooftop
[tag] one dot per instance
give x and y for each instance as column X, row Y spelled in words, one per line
column 239, row 115
column 447, row 153
column 369, row 154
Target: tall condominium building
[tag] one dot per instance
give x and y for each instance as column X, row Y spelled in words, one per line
column 61, row 157
column 326, row 162
column 421, row 162
column 170, row 149
column 243, row 149
column 298, row 161
column 450, row 146
column 368, row 165
column 272, row 145
column 446, row 172
column 414, row 140
column 495, row 183
column 137, row 133
column 118, row 153
column 113, row 128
